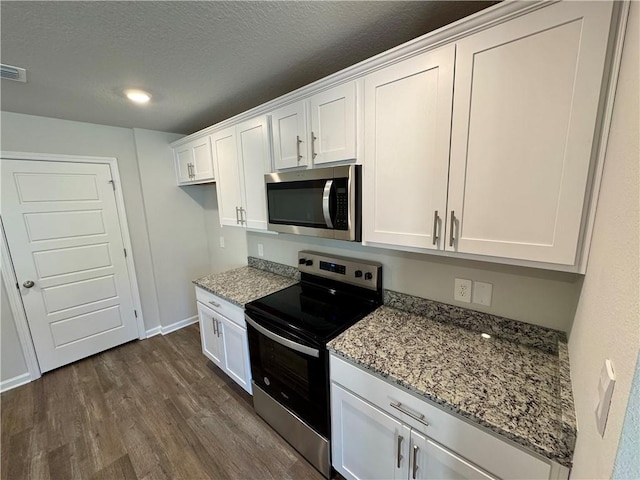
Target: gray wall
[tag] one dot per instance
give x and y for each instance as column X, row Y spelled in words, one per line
column 607, row 321
column 535, row 296
column 176, row 227
column 12, row 363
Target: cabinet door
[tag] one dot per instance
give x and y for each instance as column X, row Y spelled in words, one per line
column 255, row 152
column 525, row 108
column 406, row 134
column 183, row 160
column 236, row 353
column 210, row 335
column 333, row 124
column 428, row 460
column 202, row 159
column 228, row 183
column 366, row 443
column 289, row 136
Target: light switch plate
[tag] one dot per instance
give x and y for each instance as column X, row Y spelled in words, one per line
column 482, row 293
column 221, row 242
column 260, row 250
column 605, row 391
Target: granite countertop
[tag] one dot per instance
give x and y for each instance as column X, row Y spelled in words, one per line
column 517, row 390
column 243, row 285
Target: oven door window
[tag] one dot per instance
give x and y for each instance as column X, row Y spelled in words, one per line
column 296, row 380
column 298, row 203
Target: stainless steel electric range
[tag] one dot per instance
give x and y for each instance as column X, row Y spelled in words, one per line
column 288, row 334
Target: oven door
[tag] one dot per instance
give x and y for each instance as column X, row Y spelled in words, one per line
column 293, row 373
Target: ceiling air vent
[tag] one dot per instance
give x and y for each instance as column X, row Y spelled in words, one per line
column 13, row 73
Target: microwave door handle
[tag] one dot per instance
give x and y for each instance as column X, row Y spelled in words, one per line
column 326, row 196
column 285, row 342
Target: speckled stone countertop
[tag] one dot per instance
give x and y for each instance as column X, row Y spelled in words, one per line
column 244, row 284
column 517, row 390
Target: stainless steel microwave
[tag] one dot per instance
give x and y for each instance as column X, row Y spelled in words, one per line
column 322, row 202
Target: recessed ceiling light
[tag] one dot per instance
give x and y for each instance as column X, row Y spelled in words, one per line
column 137, row 96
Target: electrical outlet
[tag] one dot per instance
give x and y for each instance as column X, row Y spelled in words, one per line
column 260, row 250
column 482, row 293
column 221, row 242
column 462, row 290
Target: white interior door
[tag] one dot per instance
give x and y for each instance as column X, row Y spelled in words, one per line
column 63, row 231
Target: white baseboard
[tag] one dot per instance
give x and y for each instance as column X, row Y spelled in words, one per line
column 173, row 327
column 152, row 332
column 15, row 382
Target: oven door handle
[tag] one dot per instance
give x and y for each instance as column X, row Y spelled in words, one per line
column 326, row 196
column 313, row 352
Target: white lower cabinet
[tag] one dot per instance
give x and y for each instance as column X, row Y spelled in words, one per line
column 379, row 431
column 369, row 444
column 224, row 338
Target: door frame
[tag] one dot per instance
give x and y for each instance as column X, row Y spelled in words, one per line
column 9, row 276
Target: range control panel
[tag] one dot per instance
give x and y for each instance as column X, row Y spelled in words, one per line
column 362, row 273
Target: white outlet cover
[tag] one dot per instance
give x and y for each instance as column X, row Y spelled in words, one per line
column 221, row 242
column 462, row 290
column 482, row 293
column 260, row 250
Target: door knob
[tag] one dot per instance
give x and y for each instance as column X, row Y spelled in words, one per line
column 28, row 284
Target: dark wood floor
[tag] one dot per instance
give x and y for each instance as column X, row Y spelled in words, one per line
column 151, row 409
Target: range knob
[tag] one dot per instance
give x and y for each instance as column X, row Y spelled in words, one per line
column 358, row 273
column 309, row 263
column 368, row 276
column 302, row 261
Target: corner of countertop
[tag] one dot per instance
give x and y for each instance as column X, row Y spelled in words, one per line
column 569, row 427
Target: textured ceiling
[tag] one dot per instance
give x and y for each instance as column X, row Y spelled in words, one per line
column 203, row 62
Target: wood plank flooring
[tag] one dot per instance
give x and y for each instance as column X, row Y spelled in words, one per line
column 151, row 409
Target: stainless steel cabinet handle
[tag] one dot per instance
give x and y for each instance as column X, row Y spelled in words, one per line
column 189, row 170
column 298, row 147
column 415, row 461
column 416, row 416
column 192, row 170
column 215, row 326
column 435, row 227
column 453, row 224
column 400, row 438
column 237, row 215
column 215, row 304
column 28, row 284
column 219, row 329
column 326, row 196
column 313, row 145
column 243, row 216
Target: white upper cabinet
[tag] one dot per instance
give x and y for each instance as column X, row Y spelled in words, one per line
column 524, row 117
column 242, row 157
column 333, row 124
column 407, row 125
column 193, row 162
column 254, row 152
column 316, row 131
column 290, row 148
column 225, row 154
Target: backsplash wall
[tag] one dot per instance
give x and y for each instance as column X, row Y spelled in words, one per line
column 530, row 295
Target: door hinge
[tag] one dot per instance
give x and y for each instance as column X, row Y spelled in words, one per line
column 125, row 252
column 135, row 312
column 113, row 184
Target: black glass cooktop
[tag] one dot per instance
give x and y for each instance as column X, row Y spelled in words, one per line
column 306, row 311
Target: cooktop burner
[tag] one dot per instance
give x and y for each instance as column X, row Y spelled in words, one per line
column 333, row 294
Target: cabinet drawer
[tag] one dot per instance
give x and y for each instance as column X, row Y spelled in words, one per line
column 482, row 448
column 221, row 306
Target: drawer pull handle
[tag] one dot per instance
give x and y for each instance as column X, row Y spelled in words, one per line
column 400, row 438
column 415, row 461
column 415, row 416
column 215, row 304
